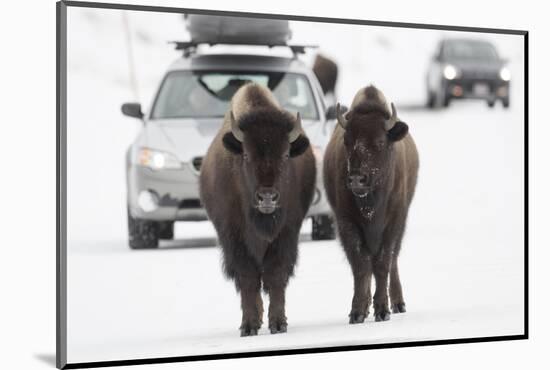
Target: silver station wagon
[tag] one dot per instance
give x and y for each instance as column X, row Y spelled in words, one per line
column 164, row 162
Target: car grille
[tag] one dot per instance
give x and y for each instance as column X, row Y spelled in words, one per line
column 197, row 162
column 479, row 75
column 190, row 203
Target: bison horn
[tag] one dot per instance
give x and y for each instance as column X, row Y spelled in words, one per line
column 297, row 130
column 393, row 119
column 340, row 117
column 235, row 129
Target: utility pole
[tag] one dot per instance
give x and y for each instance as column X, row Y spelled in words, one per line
column 130, row 54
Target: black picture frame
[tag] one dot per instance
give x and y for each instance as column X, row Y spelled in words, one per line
column 61, row 186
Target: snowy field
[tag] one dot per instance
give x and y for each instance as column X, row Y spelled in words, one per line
column 462, row 259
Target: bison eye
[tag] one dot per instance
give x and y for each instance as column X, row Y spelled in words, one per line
column 245, row 156
column 286, row 156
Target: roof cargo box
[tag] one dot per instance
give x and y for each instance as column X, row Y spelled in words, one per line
column 236, row 30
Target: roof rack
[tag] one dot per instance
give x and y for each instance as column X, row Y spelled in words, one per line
column 190, row 47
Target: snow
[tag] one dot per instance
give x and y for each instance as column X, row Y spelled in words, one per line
column 462, row 258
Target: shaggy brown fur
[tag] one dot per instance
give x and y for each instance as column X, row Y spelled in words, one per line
column 371, row 212
column 258, row 248
column 326, row 72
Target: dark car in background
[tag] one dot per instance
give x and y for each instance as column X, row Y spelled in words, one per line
column 467, row 69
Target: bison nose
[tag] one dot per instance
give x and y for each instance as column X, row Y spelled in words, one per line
column 267, row 195
column 267, row 199
column 357, row 181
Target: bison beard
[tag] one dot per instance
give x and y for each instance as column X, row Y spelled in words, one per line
column 372, row 209
column 267, row 226
column 258, row 249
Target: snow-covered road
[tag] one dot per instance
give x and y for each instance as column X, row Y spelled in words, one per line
column 174, row 301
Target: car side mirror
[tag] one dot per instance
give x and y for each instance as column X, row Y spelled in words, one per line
column 330, row 114
column 132, row 110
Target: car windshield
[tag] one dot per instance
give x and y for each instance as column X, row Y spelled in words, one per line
column 203, row 94
column 471, row 50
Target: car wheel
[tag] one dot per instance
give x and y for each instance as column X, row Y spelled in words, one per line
column 322, row 228
column 431, row 100
column 506, row 103
column 166, row 230
column 142, row 234
column 446, row 100
column 491, row 103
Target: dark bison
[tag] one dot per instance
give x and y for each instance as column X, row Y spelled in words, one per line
column 370, row 172
column 257, row 183
column 326, row 72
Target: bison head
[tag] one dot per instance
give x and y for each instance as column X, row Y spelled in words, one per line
column 266, row 140
column 370, row 133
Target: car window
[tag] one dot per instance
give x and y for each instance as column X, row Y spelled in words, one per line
column 202, row 94
column 470, row 50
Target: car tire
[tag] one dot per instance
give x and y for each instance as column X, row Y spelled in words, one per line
column 446, row 100
column 491, row 103
column 166, row 230
column 142, row 234
column 506, row 103
column 322, row 228
column 431, row 100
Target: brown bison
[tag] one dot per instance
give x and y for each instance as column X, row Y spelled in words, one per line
column 257, row 183
column 370, row 172
column 326, row 72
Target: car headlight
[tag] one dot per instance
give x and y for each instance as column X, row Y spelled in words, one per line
column 450, row 72
column 505, row 74
column 158, row 160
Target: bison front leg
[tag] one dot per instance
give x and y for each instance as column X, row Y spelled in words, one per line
column 276, row 314
column 361, row 268
column 361, row 297
column 381, row 267
column 249, row 286
column 243, row 269
column 279, row 264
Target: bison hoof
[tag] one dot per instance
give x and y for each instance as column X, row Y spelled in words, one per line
column 398, row 308
column 247, row 332
column 357, row 318
column 249, row 329
column 382, row 316
column 278, row 327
